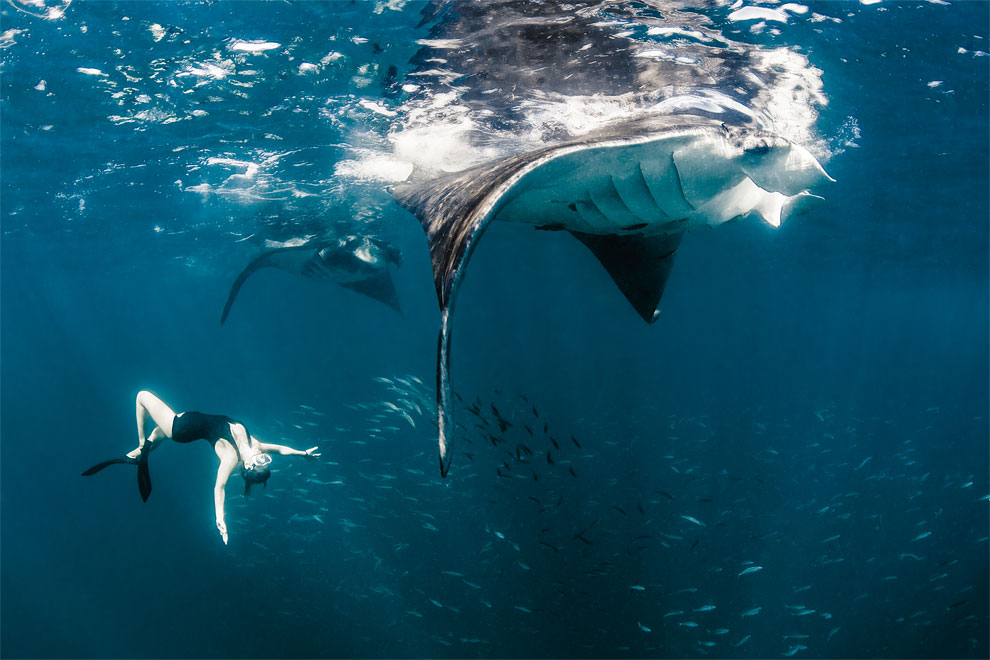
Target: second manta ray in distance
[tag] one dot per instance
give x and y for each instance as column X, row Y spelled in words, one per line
column 354, row 262
column 624, row 124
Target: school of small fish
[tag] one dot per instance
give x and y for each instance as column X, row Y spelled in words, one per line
column 672, row 543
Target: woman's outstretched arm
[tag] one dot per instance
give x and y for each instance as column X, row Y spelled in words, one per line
column 269, row 448
column 227, row 465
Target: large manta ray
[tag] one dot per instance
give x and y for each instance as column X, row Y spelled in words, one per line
column 624, row 124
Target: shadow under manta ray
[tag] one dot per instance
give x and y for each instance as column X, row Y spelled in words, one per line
column 359, row 264
column 702, row 148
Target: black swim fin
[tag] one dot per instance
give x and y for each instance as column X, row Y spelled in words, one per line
column 105, row 464
column 144, row 475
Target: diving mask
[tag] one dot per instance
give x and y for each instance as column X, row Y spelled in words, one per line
column 259, row 463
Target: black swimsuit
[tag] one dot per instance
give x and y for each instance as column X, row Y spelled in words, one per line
column 192, row 426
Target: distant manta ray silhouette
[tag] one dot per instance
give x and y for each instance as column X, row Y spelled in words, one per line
column 696, row 139
column 357, row 263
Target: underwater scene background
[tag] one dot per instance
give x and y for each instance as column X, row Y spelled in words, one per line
column 792, row 461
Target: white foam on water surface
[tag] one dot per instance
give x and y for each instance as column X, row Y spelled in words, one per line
column 157, row 31
column 667, row 31
column 292, row 242
column 758, row 14
column 374, row 167
column 440, row 43
column 440, row 147
column 376, row 108
column 252, row 46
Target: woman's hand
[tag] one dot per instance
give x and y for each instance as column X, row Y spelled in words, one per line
column 222, row 528
column 311, row 453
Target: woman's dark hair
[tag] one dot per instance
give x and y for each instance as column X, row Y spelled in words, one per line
column 252, row 477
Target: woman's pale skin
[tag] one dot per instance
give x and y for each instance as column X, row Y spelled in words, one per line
column 231, row 458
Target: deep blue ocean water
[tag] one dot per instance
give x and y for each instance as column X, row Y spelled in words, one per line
column 812, row 401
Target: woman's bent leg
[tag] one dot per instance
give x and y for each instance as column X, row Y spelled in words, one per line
column 158, row 410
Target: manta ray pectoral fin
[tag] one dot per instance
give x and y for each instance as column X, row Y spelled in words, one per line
column 454, row 211
column 378, row 286
column 639, row 264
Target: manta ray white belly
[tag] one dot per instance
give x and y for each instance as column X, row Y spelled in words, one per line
column 660, row 186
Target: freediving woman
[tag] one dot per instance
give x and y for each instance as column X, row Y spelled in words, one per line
column 234, row 446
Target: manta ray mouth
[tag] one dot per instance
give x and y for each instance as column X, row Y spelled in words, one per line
column 628, row 193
